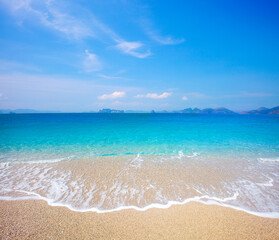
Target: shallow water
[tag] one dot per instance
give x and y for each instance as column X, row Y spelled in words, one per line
column 106, row 162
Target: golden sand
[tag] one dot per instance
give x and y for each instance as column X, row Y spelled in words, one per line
column 35, row 219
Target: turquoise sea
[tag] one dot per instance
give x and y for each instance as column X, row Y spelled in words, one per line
column 106, row 162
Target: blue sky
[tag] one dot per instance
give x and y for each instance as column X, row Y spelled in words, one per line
column 142, row 55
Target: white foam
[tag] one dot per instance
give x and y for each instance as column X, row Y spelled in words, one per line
column 269, row 159
column 267, row 184
column 4, row 164
column 39, row 161
column 208, row 201
column 181, row 155
column 136, row 162
column 195, row 154
column 9, row 198
column 113, row 193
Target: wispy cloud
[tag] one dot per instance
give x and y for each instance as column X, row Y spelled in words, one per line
column 184, row 98
column 66, row 23
column 50, row 15
column 156, row 36
column 91, row 62
column 154, row 95
column 168, row 40
column 114, row 76
column 258, row 94
column 108, row 77
column 55, row 17
column 131, row 48
column 114, row 95
column 127, row 47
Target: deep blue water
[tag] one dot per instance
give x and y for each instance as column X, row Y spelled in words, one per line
column 34, row 137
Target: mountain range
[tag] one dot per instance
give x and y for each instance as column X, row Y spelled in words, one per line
column 262, row 110
column 208, row 111
column 258, row 111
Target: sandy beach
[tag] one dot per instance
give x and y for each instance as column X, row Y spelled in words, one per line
column 35, row 219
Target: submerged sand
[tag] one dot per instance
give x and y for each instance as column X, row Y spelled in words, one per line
column 35, row 219
column 110, row 182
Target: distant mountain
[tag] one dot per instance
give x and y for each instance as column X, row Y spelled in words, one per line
column 263, row 110
column 220, row 111
column 108, row 110
column 217, row 111
column 136, row 111
column 190, row 110
column 208, row 111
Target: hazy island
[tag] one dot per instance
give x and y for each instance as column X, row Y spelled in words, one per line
column 221, row 110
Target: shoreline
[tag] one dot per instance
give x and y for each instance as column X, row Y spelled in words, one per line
column 98, row 183
column 35, row 219
column 212, row 201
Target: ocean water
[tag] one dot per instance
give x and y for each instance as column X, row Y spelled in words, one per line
column 108, row 162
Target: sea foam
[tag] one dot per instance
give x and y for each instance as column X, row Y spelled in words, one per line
column 140, row 184
column 276, row 159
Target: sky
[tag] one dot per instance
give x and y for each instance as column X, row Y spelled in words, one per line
column 75, row 56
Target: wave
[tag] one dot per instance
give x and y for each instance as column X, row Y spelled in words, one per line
column 54, row 160
column 205, row 199
column 124, row 184
column 72, row 157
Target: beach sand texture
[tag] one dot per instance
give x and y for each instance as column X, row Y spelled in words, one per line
column 35, row 219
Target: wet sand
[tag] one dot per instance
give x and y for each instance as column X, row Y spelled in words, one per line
column 35, row 219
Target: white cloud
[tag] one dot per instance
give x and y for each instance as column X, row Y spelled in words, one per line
column 164, row 40
column 112, row 96
column 50, row 15
column 154, row 95
column 104, row 76
column 54, row 15
column 1, row 94
column 108, row 77
column 66, row 24
column 126, row 47
column 131, row 47
column 184, row 98
column 157, row 36
column 91, row 62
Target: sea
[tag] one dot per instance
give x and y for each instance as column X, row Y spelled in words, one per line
column 110, row 162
